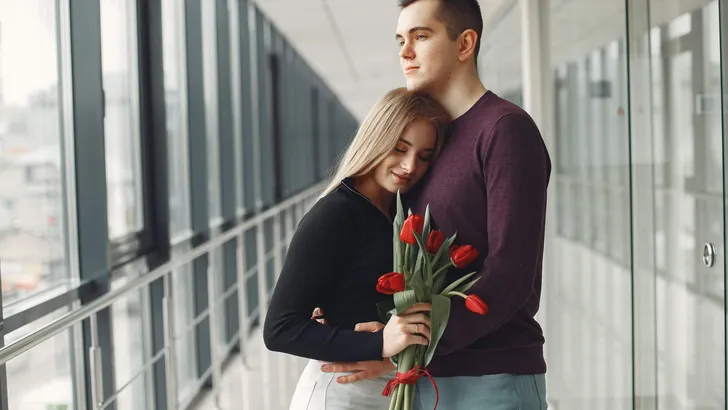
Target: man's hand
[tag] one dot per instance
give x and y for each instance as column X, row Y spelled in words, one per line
column 362, row 370
column 318, row 315
column 369, row 327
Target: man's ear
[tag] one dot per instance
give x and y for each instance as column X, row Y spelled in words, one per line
column 467, row 41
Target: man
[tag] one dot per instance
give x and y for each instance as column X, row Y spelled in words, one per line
column 488, row 185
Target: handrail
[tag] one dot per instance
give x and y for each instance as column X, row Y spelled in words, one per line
column 33, row 339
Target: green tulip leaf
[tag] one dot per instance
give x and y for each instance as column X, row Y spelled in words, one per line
column 466, row 287
column 426, row 229
column 427, row 271
column 418, row 265
column 444, row 250
column 404, row 300
column 457, row 283
column 438, row 320
column 413, row 253
column 439, row 283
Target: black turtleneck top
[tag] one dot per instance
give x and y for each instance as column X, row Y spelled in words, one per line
column 339, row 250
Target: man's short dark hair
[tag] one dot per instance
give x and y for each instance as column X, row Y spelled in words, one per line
column 458, row 16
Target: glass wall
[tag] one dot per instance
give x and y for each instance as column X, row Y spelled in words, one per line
column 34, row 238
column 634, row 305
column 688, row 211
column 121, row 121
column 500, row 61
column 116, row 155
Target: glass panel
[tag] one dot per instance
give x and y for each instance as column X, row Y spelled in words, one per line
column 175, row 89
column 217, row 265
column 247, row 106
column 236, row 78
column 209, row 53
column 121, row 123
column 502, row 42
column 588, row 319
column 688, row 164
column 32, row 235
column 42, row 378
column 130, row 350
column 184, row 340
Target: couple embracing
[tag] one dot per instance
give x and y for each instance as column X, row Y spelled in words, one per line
column 481, row 165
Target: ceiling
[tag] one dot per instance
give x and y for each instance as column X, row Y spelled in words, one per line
column 351, row 43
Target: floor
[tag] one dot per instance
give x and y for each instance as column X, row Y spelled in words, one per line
column 243, row 385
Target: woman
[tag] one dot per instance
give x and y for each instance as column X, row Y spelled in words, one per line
column 340, row 249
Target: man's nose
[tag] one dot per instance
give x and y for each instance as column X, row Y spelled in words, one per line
column 406, row 51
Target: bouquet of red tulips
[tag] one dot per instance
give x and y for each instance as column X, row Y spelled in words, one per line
column 422, row 257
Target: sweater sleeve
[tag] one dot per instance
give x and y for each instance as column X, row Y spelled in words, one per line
column 516, row 170
column 317, row 251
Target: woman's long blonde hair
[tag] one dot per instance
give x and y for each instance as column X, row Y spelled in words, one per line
column 382, row 128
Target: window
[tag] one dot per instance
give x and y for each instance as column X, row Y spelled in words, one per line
column 32, row 239
column 175, row 89
column 209, row 52
column 121, row 122
column 175, row 86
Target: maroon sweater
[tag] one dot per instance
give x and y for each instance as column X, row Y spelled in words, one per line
column 489, row 185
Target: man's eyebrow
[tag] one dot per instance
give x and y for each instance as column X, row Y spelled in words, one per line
column 414, row 29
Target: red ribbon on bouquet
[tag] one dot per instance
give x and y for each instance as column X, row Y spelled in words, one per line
column 411, row 377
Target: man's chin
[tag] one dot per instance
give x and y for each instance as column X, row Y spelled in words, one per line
column 417, row 85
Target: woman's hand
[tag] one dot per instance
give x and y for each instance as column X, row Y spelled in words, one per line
column 362, row 370
column 409, row 328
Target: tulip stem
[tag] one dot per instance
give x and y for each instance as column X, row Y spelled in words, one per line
column 454, row 293
column 406, row 259
column 442, row 269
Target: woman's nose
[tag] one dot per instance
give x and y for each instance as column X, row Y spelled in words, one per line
column 409, row 164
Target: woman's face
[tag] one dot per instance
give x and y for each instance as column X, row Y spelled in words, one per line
column 409, row 160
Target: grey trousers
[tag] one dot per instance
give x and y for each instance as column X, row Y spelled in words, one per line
column 491, row 392
column 317, row 390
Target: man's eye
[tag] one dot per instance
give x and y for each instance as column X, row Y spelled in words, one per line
column 421, row 37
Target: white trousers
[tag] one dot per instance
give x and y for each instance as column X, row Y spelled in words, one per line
column 317, row 390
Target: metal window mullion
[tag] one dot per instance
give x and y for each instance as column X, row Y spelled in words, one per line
column 247, row 106
column 69, row 192
column 227, row 136
column 263, row 288
column 197, row 157
column 255, row 105
column 90, row 177
column 156, row 193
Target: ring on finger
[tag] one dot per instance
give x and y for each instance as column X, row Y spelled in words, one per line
column 417, row 328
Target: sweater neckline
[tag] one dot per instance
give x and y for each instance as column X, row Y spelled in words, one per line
column 348, row 183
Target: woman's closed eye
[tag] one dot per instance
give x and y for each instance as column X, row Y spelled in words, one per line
column 424, row 158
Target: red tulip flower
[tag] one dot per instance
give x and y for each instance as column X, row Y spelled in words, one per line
column 475, row 304
column 435, row 241
column 390, row 283
column 463, row 256
column 412, row 223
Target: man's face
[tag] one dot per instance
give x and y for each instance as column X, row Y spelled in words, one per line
column 427, row 55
